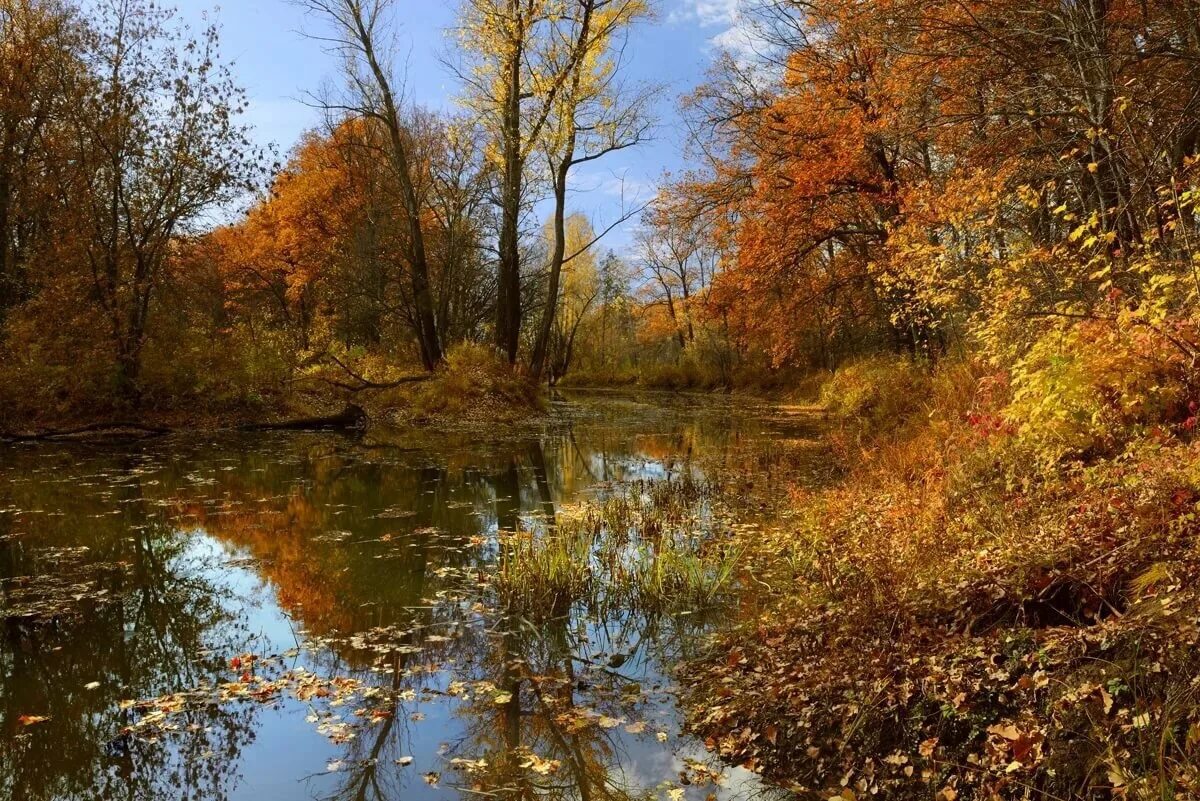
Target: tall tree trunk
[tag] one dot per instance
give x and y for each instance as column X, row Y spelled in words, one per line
column 508, row 300
column 425, row 321
column 542, row 343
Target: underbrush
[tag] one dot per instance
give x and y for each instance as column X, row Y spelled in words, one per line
column 53, row 377
column 693, row 375
column 995, row 602
column 474, row 386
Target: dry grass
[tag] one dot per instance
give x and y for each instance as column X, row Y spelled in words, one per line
column 474, row 387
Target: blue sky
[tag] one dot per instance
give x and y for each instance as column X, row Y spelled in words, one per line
column 277, row 65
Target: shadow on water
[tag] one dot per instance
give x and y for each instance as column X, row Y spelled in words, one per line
column 168, row 608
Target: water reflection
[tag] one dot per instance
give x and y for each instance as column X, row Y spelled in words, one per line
column 134, row 570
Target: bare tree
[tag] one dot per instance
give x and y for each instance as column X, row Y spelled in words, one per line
column 147, row 165
column 357, row 30
column 678, row 260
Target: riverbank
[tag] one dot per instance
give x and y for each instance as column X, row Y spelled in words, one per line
column 993, row 602
column 687, row 376
column 473, row 389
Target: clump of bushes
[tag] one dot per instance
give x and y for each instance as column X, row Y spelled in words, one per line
column 686, row 374
column 474, row 384
column 1087, row 390
column 54, row 375
column 879, row 393
column 696, row 373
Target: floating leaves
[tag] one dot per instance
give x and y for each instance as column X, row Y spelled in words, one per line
column 539, row 765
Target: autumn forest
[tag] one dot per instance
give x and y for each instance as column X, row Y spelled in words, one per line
column 856, row 457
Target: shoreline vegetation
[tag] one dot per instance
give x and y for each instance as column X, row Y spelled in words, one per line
column 983, row 597
column 991, row 602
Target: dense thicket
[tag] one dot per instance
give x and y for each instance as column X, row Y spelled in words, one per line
column 922, row 176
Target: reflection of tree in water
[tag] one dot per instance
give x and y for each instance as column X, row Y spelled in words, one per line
column 346, row 544
column 557, row 678
column 533, row 721
column 349, row 539
column 162, row 629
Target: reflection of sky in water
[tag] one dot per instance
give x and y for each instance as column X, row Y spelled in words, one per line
column 254, row 543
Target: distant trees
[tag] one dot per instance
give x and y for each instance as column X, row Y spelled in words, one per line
column 679, row 261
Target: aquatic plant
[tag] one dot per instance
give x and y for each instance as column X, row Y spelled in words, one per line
column 649, row 545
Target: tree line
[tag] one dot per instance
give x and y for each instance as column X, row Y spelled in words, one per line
column 880, row 175
column 391, row 232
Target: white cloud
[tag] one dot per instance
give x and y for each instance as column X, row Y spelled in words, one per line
column 737, row 35
column 708, row 13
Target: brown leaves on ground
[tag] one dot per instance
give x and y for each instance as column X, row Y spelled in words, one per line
column 932, row 627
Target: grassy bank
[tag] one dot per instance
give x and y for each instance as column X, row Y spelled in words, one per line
column 997, row 599
column 691, row 375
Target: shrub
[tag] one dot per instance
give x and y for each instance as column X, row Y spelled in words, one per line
column 878, row 394
column 1087, row 389
column 473, row 383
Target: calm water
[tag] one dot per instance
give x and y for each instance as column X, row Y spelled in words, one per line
column 307, row 616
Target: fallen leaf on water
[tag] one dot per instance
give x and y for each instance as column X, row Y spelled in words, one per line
column 404, row 760
column 609, row 723
column 91, row 685
column 636, row 728
column 335, row 766
column 29, row 720
column 542, row 767
column 432, row 778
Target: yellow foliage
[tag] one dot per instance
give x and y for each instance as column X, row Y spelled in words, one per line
column 1085, row 389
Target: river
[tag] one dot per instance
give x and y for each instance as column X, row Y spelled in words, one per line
column 284, row 616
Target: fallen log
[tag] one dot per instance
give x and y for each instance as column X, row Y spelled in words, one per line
column 118, row 428
column 351, row 417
